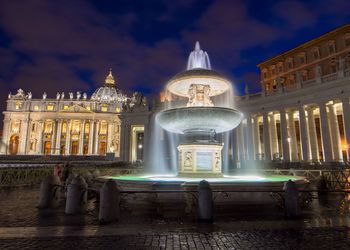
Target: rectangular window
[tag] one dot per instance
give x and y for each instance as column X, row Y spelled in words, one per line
column 104, row 109
column 49, row 107
column 347, row 42
column 331, row 48
column 36, row 107
column 103, row 128
column 280, row 68
column 18, row 105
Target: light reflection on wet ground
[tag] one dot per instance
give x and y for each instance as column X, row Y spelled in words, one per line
column 23, row 226
column 18, row 209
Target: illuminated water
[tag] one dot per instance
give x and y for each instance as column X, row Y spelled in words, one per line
column 226, row 179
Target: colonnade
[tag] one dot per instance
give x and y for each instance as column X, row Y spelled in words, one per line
column 309, row 132
column 85, row 135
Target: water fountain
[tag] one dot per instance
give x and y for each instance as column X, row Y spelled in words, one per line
column 199, row 108
column 200, row 120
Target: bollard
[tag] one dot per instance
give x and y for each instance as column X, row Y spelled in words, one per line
column 291, row 204
column 96, row 174
column 205, row 202
column 109, row 202
column 76, row 196
column 321, row 186
column 88, row 177
column 50, row 192
column 69, row 181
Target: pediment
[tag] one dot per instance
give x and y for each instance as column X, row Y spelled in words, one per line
column 76, row 109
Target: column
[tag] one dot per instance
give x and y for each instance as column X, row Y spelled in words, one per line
column 97, row 128
column 125, row 141
column 273, row 134
column 53, row 138
column 91, row 137
column 109, row 136
column 346, row 119
column 334, row 128
column 305, row 145
column 240, row 144
column 256, row 138
column 250, row 138
column 40, row 137
column 58, row 137
column 312, row 134
column 284, row 136
column 146, row 139
column 267, row 149
column 23, row 136
column 235, row 150
column 293, row 147
column 326, row 141
column 68, row 134
column 81, row 137
column 5, row 135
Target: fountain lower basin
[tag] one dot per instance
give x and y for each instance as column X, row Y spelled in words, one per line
column 216, row 119
column 237, row 189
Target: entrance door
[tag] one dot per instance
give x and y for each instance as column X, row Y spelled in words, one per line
column 74, row 149
column 13, row 147
column 85, row 149
column 102, row 148
column 47, row 147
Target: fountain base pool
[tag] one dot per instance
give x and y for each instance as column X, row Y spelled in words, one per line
column 237, row 189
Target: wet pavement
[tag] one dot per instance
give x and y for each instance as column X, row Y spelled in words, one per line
column 23, row 226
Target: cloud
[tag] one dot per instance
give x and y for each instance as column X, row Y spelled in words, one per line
column 296, row 14
column 226, row 28
column 69, row 45
column 62, row 39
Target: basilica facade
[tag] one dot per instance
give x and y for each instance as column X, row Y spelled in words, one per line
column 302, row 113
column 74, row 124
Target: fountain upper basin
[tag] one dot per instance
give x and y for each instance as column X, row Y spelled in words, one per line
column 180, row 83
column 216, row 119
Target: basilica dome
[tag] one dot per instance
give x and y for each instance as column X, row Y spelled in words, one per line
column 108, row 92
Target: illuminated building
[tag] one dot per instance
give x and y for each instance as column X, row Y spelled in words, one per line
column 303, row 112
column 68, row 125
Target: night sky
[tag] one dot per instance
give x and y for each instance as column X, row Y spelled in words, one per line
column 70, row 45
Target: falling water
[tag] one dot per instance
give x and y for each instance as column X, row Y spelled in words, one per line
column 163, row 154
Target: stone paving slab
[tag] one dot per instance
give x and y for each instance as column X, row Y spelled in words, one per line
column 159, row 227
column 311, row 238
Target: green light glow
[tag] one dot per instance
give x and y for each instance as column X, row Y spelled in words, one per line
column 225, row 179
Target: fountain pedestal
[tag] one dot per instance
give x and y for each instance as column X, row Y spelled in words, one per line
column 200, row 159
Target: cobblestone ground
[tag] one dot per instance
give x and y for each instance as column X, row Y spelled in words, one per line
column 23, row 226
column 316, row 238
